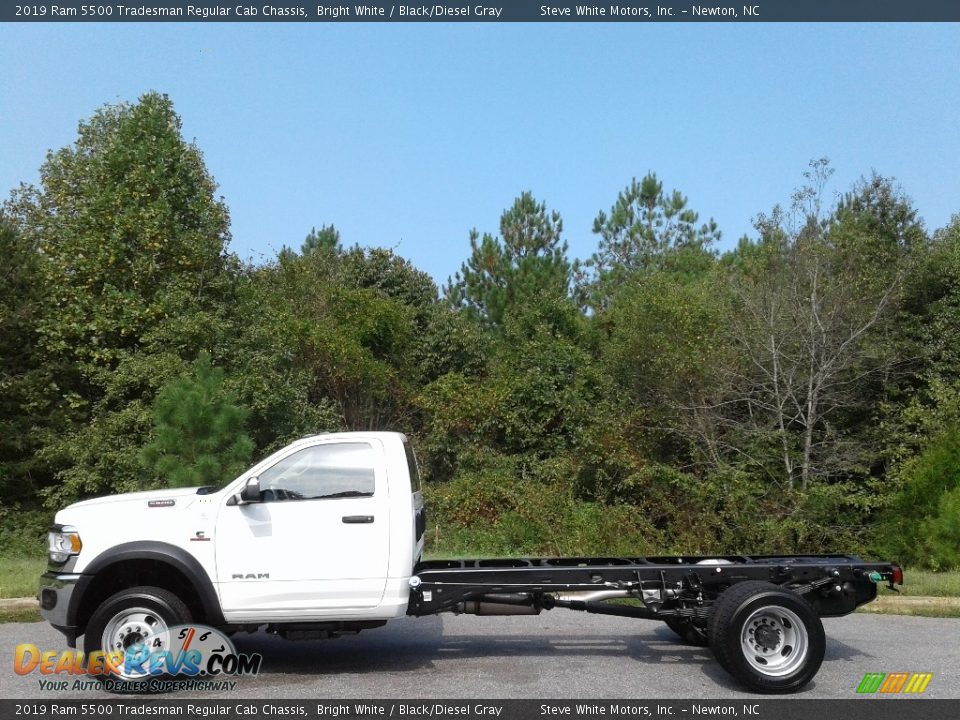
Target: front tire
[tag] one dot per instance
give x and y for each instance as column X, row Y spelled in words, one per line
column 133, row 618
column 770, row 639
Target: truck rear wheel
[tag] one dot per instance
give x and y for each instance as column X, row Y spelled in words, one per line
column 688, row 632
column 770, row 639
column 133, row 618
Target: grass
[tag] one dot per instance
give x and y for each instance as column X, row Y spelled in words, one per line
column 932, row 609
column 19, row 575
column 18, row 579
column 20, row 615
column 920, row 583
column 923, row 583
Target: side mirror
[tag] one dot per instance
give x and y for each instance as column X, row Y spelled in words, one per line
column 251, row 491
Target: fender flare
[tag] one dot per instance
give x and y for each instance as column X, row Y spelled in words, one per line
column 175, row 557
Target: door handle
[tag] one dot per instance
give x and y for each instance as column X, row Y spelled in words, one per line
column 357, row 519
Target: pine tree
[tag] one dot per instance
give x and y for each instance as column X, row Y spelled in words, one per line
column 528, row 262
column 643, row 231
column 199, row 434
column 325, row 239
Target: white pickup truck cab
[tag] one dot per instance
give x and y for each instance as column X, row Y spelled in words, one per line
column 330, row 526
column 325, row 537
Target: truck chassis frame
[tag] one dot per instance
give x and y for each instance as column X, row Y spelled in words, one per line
column 760, row 614
column 679, row 587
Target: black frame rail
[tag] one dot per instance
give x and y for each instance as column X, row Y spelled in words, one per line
column 682, row 586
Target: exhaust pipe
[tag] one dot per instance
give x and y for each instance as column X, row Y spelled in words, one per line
column 592, row 595
column 498, row 605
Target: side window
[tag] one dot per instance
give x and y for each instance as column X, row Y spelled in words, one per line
column 322, row 471
column 412, row 466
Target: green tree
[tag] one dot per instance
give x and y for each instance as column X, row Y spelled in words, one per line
column 529, row 403
column 641, row 231
column 665, row 347
column 811, row 312
column 920, row 429
column 922, row 525
column 389, row 275
column 326, row 239
column 339, row 339
column 929, row 334
column 199, row 437
column 267, row 370
column 451, row 342
column 132, row 247
column 528, row 261
column 27, row 406
column 349, row 348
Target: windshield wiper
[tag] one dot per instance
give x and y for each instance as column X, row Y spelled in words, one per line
column 345, row 493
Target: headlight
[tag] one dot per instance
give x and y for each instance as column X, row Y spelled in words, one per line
column 62, row 542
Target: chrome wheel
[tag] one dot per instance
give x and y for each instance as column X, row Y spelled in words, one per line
column 134, row 631
column 774, row 641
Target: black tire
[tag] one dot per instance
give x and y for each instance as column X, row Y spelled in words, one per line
column 688, row 632
column 769, row 639
column 159, row 604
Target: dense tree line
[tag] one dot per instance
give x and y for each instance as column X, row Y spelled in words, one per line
column 796, row 393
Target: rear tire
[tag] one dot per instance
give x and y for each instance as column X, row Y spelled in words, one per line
column 132, row 616
column 688, row 632
column 770, row 639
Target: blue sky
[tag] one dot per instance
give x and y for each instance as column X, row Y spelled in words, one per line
column 408, row 136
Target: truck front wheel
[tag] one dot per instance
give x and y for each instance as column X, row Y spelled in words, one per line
column 770, row 639
column 134, row 621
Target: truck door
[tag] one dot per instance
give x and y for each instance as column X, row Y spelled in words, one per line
column 318, row 541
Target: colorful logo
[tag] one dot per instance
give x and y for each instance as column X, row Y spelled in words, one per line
column 182, row 652
column 894, row 683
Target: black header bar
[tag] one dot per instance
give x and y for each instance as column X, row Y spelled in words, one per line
column 487, row 11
